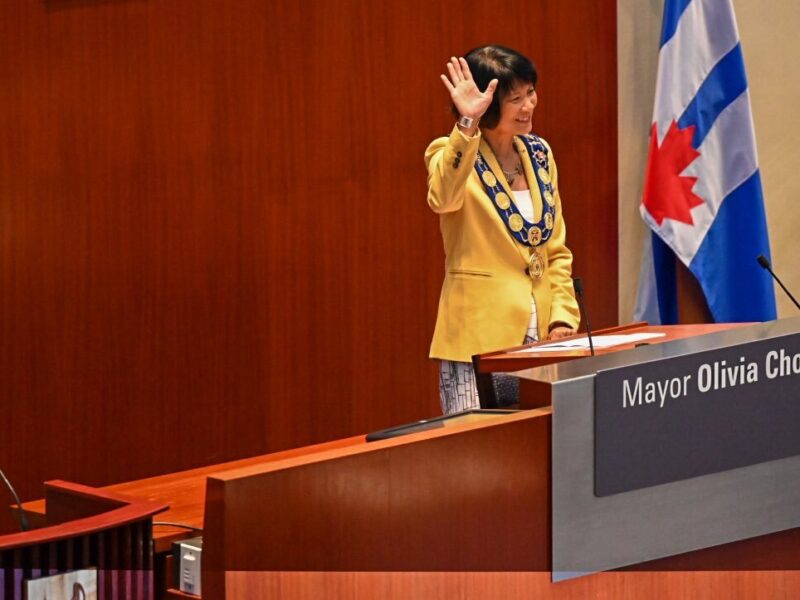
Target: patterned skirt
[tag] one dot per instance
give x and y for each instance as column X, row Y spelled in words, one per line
column 457, row 389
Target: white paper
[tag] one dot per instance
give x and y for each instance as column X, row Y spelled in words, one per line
column 582, row 343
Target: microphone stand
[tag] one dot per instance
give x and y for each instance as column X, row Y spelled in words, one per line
column 23, row 520
column 578, row 285
column 764, row 262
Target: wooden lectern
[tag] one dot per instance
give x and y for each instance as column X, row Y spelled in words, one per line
column 512, row 359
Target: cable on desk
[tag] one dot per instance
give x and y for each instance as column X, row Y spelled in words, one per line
column 178, row 525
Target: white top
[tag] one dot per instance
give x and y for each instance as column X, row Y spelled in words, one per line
column 524, row 202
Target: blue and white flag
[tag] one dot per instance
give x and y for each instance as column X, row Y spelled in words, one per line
column 702, row 195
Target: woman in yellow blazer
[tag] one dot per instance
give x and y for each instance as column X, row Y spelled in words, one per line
column 495, row 188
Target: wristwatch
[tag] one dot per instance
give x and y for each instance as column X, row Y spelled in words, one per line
column 466, row 122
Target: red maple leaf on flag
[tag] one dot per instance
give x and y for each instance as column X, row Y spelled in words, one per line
column 668, row 195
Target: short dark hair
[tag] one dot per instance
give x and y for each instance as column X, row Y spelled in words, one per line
column 508, row 66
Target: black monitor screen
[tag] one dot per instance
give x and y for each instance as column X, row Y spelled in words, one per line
column 468, row 416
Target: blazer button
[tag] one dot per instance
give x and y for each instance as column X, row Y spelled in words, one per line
column 455, row 163
column 458, row 154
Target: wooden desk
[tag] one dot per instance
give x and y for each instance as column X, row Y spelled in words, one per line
column 460, row 512
column 461, row 499
column 184, row 493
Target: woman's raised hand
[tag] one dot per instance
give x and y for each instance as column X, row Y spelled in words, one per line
column 468, row 99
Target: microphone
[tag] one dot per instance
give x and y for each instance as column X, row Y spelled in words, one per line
column 23, row 520
column 764, row 262
column 578, row 285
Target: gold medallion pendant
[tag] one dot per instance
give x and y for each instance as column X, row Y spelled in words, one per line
column 489, row 179
column 544, row 176
column 515, row 222
column 536, row 265
column 502, row 200
column 534, row 235
column 548, row 221
column 548, row 197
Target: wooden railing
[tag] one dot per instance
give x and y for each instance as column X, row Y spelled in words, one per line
column 84, row 528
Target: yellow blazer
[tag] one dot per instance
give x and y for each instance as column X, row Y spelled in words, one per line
column 485, row 304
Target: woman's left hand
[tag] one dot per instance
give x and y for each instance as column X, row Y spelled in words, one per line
column 559, row 332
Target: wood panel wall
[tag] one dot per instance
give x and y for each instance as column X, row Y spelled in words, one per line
column 214, row 241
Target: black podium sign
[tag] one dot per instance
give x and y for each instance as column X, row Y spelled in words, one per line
column 698, row 414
